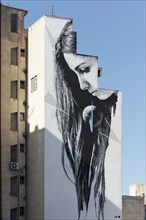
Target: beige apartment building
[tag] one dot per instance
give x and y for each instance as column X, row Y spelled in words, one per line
column 13, row 103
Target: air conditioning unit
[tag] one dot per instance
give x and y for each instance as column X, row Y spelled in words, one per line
column 14, row 166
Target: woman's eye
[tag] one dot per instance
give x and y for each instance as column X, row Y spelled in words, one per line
column 85, row 70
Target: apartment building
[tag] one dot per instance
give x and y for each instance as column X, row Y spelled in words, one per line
column 13, row 106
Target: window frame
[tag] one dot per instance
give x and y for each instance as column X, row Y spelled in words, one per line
column 14, row 23
column 22, row 116
column 22, row 148
column 14, row 56
column 14, row 148
column 14, row 125
column 16, row 214
column 22, row 84
column 34, row 83
column 14, row 186
column 22, row 180
column 14, row 89
column 22, row 52
column 22, row 211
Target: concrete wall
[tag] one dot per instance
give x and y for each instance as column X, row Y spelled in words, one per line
column 133, row 208
column 36, row 120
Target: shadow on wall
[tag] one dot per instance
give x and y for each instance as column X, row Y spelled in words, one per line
column 48, row 186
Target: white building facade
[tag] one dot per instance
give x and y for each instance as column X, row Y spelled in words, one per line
column 51, row 195
column 138, row 190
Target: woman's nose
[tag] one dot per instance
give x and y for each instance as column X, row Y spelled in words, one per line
column 84, row 85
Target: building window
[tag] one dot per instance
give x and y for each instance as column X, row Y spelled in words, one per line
column 14, row 186
column 14, row 214
column 22, row 116
column 22, row 52
column 34, row 84
column 13, row 153
column 22, row 84
column 14, row 121
column 99, row 71
column 22, row 180
column 14, row 56
column 22, row 148
column 14, row 23
column 14, row 89
column 21, row 211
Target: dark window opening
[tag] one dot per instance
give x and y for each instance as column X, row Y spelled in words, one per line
column 22, row 84
column 14, row 186
column 14, row 23
column 99, row 71
column 14, row 214
column 22, row 148
column 22, row 52
column 14, row 89
column 21, row 211
column 22, row 180
column 14, row 121
column 13, row 153
column 14, row 56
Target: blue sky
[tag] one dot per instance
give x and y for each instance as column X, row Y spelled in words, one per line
column 115, row 32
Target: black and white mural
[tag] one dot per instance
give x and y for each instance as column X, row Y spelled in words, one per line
column 84, row 120
column 82, row 168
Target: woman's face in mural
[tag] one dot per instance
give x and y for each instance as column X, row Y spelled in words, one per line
column 86, row 69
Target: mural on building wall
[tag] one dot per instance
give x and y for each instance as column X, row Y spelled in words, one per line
column 75, row 129
column 84, row 116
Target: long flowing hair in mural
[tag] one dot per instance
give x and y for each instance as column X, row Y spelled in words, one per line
column 85, row 141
